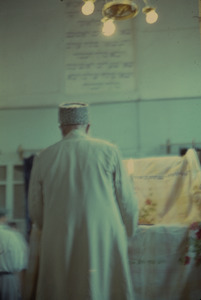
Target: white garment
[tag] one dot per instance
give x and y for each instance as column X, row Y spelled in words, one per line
column 13, row 250
column 13, row 258
column 81, row 198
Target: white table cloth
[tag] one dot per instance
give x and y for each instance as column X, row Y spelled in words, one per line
column 165, row 262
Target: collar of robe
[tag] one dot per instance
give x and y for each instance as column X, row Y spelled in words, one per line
column 75, row 133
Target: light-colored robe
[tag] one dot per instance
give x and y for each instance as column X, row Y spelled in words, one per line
column 13, row 259
column 82, row 200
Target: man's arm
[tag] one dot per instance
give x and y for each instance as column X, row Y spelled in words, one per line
column 126, row 198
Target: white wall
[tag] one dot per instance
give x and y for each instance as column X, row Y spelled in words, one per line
column 162, row 62
column 174, row 120
column 138, row 128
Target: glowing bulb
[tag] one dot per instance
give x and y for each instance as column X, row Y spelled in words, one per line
column 88, row 8
column 151, row 17
column 108, row 28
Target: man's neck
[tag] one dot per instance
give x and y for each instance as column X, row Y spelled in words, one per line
column 67, row 129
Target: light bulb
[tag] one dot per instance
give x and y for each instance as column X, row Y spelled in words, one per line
column 88, row 8
column 108, row 28
column 151, row 17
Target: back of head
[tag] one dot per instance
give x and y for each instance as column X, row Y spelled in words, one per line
column 73, row 114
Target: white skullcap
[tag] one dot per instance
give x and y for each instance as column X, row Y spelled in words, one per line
column 73, row 114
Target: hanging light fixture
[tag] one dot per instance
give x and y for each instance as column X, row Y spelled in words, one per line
column 151, row 15
column 88, row 7
column 108, row 27
column 120, row 9
column 116, row 10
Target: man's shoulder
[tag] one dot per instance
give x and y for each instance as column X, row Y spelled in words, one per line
column 101, row 143
column 49, row 149
column 96, row 143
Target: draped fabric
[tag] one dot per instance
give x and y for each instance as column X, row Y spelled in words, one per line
column 168, row 188
column 165, row 262
column 165, row 255
column 28, row 162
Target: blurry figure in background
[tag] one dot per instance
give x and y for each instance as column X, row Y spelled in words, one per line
column 13, row 225
column 13, row 260
column 81, row 199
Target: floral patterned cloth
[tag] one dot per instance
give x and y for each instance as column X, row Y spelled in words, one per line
column 168, row 188
column 165, row 258
column 192, row 249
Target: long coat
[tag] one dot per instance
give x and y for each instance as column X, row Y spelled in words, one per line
column 82, row 200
